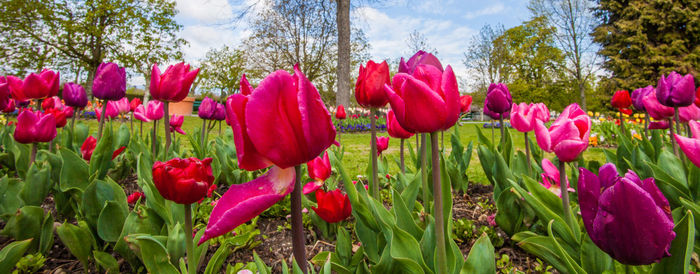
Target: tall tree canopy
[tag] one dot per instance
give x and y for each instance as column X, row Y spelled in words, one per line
column 81, row 34
column 641, row 40
column 221, row 70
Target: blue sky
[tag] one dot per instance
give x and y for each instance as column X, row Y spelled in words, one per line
column 447, row 24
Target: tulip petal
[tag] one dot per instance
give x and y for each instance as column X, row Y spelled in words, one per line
column 248, row 157
column 316, row 123
column 568, row 150
column 155, row 82
column 695, row 129
column 243, row 202
column 691, row 148
column 311, row 186
column 450, row 92
column 427, row 107
column 544, row 140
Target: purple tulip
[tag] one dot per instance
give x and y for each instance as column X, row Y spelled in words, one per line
column 675, row 90
column 74, row 95
column 220, row 113
column 420, row 58
column 638, row 97
column 628, row 218
column 207, row 109
column 498, row 98
column 110, row 82
column 491, row 113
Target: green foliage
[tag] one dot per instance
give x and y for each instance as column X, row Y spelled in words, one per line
column 29, row 264
column 643, row 39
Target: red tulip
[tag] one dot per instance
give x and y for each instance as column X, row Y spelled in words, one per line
column 134, row 104
column 183, row 181
column 394, row 128
column 89, row 146
column 246, row 88
column 465, row 103
column 34, row 86
column 340, row 113
column 319, row 171
column 333, row 206
column 426, row 101
column 35, row 127
column 369, row 89
column 10, row 108
column 697, row 97
column 663, row 124
column 174, row 84
column 134, row 197
column 382, row 144
column 568, row 136
column 60, row 115
column 621, row 99
column 4, row 93
column 283, row 138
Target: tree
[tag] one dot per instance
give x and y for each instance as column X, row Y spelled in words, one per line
column 574, row 21
column 485, row 59
column 221, row 69
column 641, row 40
column 417, row 41
column 343, row 65
column 82, row 33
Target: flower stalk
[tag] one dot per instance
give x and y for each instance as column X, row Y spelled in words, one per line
column 373, row 180
column 191, row 264
column 298, row 241
column 437, row 206
column 424, row 169
column 565, row 194
column 527, row 154
column 102, row 119
column 166, row 125
column 403, row 165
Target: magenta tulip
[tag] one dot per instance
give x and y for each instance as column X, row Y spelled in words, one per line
column 675, row 90
column 628, row 218
column 426, row 101
column 174, row 84
column 111, row 111
column 207, row 109
column 494, row 115
column 34, row 86
column 568, row 136
column 220, row 112
column 663, row 124
column 394, row 128
column 498, row 98
column 523, row 116
column 655, row 109
column 638, row 97
column 419, row 58
column 689, row 113
column 382, row 144
column 265, row 136
column 74, row 95
column 176, row 123
column 35, row 127
column 110, row 82
column 245, row 87
column 4, row 93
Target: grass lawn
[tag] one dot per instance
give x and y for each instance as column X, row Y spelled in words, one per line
column 357, row 144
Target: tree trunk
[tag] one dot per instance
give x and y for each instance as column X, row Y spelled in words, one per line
column 90, row 79
column 342, row 95
column 582, row 93
column 146, row 90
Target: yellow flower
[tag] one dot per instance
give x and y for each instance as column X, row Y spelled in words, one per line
column 625, row 115
column 639, row 120
column 637, row 136
column 601, row 119
column 590, row 113
column 636, row 115
column 593, row 140
column 597, row 114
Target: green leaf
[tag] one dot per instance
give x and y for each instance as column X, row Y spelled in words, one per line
column 218, row 259
column 262, row 268
column 110, row 221
column 403, row 217
column 343, row 246
column 26, row 223
column 95, row 197
column 11, row 253
column 9, row 196
column 36, row 185
column 571, row 265
column 78, row 239
column 510, row 220
column 153, row 198
column 594, row 260
column 176, row 243
column 671, row 188
column 75, row 173
column 152, row 253
column 481, row 257
column 482, row 138
column 487, row 159
column 681, row 248
column 101, row 159
column 106, row 261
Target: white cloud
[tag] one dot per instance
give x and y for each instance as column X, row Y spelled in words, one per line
column 201, row 38
column 205, row 11
column 490, row 10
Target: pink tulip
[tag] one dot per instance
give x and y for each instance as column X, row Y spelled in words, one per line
column 140, row 114
column 284, row 123
column 550, row 178
column 35, row 127
column 663, row 124
column 111, row 111
column 655, row 109
column 122, row 105
column 523, row 116
column 245, row 86
column 151, row 112
column 34, row 86
column 426, row 101
column 176, row 124
column 419, row 58
column 394, row 128
column 174, row 84
column 382, row 144
column 568, row 136
column 691, row 146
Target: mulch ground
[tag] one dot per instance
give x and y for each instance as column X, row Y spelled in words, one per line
column 277, row 243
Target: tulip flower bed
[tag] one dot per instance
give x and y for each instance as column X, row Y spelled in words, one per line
column 283, row 190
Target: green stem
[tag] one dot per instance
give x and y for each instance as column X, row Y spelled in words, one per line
column 437, row 207
column 403, row 166
column 153, row 138
column 204, row 128
column 646, row 126
column 373, row 180
column 33, row 155
column 678, row 122
column 72, row 121
column 298, row 239
column 503, row 135
column 424, row 169
column 191, row 264
column 673, row 140
column 527, row 155
column 565, row 194
column 166, row 126
column 102, row 119
column 622, row 124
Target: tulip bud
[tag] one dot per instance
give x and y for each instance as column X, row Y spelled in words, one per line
column 134, row 104
column 154, row 110
column 207, row 109
column 340, row 113
column 465, row 102
column 74, row 95
column 333, row 206
column 35, row 127
column 183, row 181
column 419, row 58
column 628, row 218
column 638, row 97
column 110, row 82
column 382, row 144
column 220, row 113
column 621, row 99
column 675, row 90
column 88, row 147
column 320, row 168
column 10, row 108
column 369, row 89
column 174, row 84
